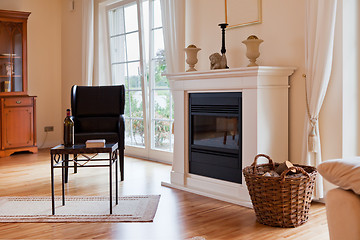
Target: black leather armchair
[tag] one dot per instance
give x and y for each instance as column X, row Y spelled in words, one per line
column 97, row 112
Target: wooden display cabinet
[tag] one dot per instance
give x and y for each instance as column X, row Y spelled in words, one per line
column 18, row 131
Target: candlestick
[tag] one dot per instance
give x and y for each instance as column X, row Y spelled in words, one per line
column 223, row 49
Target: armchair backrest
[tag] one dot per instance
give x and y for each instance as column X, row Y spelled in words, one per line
column 97, row 108
column 91, row 101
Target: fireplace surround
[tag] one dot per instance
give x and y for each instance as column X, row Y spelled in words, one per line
column 264, row 124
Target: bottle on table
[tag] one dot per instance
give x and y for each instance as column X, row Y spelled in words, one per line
column 68, row 130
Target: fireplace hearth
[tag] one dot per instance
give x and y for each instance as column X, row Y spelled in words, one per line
column 215, row 135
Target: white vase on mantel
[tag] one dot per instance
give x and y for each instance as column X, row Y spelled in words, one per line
column 191, row 53
column 252, row 53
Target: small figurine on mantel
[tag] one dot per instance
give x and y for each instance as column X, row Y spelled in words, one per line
column 218, row 61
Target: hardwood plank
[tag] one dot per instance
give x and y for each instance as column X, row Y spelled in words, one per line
column 180, row 215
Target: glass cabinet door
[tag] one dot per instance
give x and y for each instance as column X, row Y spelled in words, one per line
column 13, row 55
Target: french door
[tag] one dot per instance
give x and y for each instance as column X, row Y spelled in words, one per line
column 137, row 61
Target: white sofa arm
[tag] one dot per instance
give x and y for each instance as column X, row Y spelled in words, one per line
column 343, row 214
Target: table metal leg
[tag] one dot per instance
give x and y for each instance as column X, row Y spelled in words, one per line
column 75, row 164
column 63, row 169
column 110, row 183
column 66, row 159
column 52, row 185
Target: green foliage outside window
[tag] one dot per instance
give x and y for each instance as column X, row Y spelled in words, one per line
column 136, row 112
column 162, row 106
column 162, row 111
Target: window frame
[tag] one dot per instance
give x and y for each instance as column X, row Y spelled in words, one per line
column 147, row 150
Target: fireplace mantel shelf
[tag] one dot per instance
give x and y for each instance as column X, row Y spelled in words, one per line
column 264, row 123
column 229, row 79
column 233, row 72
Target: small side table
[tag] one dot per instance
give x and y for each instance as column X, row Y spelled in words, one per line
column 60, row 159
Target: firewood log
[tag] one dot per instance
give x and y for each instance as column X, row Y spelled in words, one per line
column 283, row 166
column 272, row 173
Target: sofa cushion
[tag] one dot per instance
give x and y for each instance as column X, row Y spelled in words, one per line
column 344, row 173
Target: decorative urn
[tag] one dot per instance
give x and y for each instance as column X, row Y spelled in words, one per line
column 252, row 44
column 191, row 53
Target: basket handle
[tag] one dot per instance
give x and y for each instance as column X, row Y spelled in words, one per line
column 261, row 155
column 300, row 169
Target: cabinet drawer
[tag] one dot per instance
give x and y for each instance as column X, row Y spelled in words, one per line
column 18, row 101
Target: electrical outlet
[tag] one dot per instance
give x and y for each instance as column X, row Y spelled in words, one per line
column 48, row 128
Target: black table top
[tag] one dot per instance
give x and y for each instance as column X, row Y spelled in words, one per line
column 81, row 148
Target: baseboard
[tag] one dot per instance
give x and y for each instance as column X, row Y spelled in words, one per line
column 206, row 194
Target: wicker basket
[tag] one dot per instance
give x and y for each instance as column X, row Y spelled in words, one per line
column 280, row 201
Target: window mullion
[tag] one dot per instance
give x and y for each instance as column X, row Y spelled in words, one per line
column 127, row 78
column 151, row 72
column 132, row 61
column 123, row 34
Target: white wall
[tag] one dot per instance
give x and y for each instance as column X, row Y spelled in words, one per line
column 71, row 49
column 44, row 63
column 282, row 30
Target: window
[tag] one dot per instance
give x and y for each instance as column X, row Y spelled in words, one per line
column 137, row 61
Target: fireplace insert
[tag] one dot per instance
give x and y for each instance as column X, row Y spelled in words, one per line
column 215, row 135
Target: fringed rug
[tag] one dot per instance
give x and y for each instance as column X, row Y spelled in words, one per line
column 78, row 209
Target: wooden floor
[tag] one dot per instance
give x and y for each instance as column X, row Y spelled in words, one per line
column 180, row 215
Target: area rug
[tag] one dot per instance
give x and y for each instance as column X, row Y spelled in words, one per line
column 78, row 209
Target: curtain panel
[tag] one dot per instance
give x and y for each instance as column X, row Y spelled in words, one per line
column 173, row 18
column 319, row 44
column 102, row 69
column 88, row 42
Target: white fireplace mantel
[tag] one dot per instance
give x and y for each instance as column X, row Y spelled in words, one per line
column 264, row 124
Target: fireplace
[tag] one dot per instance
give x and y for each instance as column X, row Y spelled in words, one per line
column 252, row 119
column 215, row 135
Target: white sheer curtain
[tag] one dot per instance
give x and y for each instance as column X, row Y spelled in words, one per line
column 320, row 25
column 88, row 42
column 173, row 17
column 102, row 69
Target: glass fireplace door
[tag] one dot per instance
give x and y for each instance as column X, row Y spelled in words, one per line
column 216, row 132
column 215, row 135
